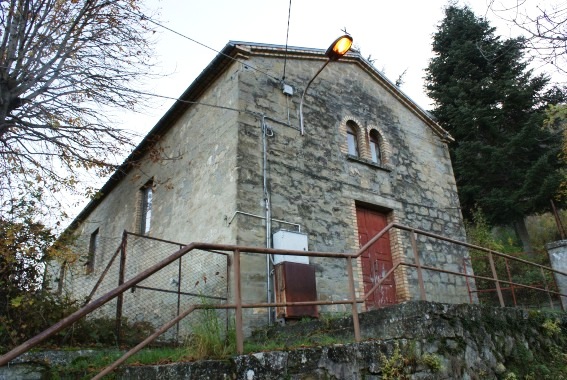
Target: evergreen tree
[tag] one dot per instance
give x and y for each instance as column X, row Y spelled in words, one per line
column 505, row 162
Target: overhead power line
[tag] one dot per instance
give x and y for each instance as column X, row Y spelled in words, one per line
column 144, row 17
column 286, row 40
column 254, row 113
column 197, row 103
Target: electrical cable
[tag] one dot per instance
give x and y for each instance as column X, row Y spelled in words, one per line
column 144, row 17
column 286, row 40
column 254, row 113
column 198, row 103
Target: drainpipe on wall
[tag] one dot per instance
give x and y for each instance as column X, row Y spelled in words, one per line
column 268, row 211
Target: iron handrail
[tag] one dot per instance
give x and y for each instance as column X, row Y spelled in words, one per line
column 472, row 246
column 177, row 319
column 238, row 306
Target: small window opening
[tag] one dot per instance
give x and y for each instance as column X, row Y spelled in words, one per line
column 146, row 208
column 61, row 278
column 93, row 246
column 352, row 140
column 375, row 152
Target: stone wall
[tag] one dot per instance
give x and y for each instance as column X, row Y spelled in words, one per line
column 314, row 183
column 432, row 341
column 193, row 168
column 421, row 340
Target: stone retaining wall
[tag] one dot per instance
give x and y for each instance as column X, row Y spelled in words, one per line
column 430, row 341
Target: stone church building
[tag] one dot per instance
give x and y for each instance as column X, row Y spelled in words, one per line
column 227, row 164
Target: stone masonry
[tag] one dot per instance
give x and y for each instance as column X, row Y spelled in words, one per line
column 433, row 341
column 314, row 182
column 206, row 163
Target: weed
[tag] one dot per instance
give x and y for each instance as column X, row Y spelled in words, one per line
column 510, row 376
column 551, row 327
column 326, row 340
column 394, row 367
column 269, row 345
column 83, row 366
column 87, row 366
column 522, row 354
column 210, row 338
column 432, row 361
column 327, row 319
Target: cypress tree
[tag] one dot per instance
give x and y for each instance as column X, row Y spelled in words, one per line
column 505, row 162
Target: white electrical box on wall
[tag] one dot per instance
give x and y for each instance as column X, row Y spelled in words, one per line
column 293, row 241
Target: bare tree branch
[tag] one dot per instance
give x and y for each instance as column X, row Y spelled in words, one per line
column 544, row 26
column 60, row 62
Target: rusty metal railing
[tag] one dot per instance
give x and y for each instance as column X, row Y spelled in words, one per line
column 122, row 252
column 512, row 285
column 238, row 306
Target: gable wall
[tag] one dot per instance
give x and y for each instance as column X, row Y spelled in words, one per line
column 313, row 182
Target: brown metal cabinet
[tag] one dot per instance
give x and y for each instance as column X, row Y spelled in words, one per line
column 295, row 282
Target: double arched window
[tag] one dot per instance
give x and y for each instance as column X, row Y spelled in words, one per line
column 367, row 143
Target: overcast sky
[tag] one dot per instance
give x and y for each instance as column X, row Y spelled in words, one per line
column 396, row 34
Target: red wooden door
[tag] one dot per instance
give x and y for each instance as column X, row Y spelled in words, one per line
column 377, row 260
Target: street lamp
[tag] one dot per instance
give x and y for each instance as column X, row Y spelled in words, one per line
column 338, row 48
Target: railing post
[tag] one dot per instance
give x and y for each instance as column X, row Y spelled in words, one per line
column 227, row 292
column 467, row 279
column 546, row 288
column 178, row 295
column 495, row 277
column 418, row 263
column 120, row 298
column 511, row 283
column 238, row 303
column 557, row 220
column 105, row 271
column 354, row 306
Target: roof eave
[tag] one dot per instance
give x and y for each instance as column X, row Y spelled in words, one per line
column 190, row 95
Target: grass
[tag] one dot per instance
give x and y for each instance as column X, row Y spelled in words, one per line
column 207, row 341
column 281, row 343
column 86, row 366
column 210, row 337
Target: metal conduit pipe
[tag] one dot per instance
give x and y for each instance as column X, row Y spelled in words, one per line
column 237, row 212
column 268, row 213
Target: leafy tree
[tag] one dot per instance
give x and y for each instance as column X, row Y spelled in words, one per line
column 505, row 162
column 61, row 62
column 26, row 245
column 23, row 248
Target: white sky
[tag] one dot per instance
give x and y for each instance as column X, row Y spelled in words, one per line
column 397, row 34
